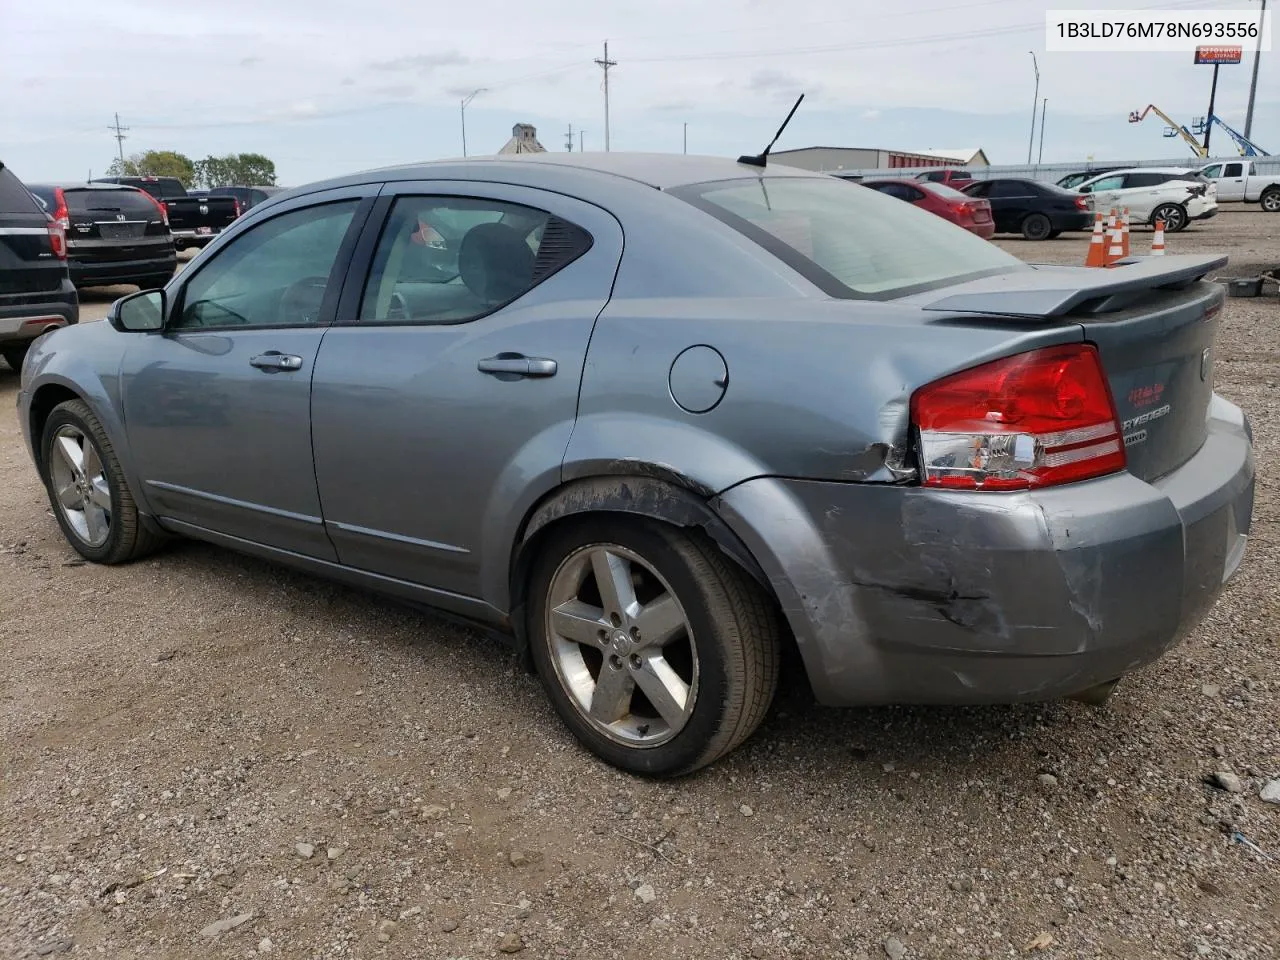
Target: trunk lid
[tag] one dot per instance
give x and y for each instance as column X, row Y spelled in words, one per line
column 1154, row 326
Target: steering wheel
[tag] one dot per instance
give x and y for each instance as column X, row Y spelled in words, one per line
column 301, row 300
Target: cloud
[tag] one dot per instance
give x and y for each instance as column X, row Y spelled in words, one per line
column 250, row 61
column 347, row 82
column 395, row 91
column 779, row 84
column 674, row 106
column 423, row 62
column 871, row 114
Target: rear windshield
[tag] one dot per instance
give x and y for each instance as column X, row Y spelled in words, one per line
column 164, row 189
column 849, row 243
column 133, row 203
column 945, row 192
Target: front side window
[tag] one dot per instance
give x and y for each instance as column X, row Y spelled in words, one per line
column 1008, row 188
column 1212, row 172
column 1108, row 183
column 454, row 259
column 849, row 243
column 274, row 275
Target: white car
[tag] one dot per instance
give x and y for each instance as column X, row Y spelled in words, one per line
column 1172, row 194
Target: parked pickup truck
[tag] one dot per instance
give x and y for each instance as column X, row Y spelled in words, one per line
column 1239, row 181
column 194, row 219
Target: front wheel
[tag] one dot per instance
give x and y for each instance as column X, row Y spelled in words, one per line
column 1037, row 227
column 656, row 651
column 1174, row 216
column 1271, row 200
column 87, row 488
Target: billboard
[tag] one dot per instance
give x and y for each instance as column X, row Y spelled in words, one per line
column 1219, row 54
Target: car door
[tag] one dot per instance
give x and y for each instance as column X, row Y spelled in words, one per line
column 1231, row 185
column 1106, row 192
column 444, row 398
column 217, row 406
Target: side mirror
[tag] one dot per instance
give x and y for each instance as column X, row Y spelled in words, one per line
column 1086, row 189
column 141, row 312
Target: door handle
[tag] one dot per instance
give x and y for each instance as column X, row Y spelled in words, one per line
column 515, row 365
column 274, row 360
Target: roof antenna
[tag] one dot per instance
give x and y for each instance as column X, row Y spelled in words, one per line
column 761, row 159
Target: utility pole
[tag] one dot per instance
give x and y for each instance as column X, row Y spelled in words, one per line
column 465, row 100
column 686, row 138
column 1208, row 121
column 605, row 64
column 120, row 138
column 1044, row 105
column 1253, row 84
column 1034, row 100
column 580, row 133
column 568, row 139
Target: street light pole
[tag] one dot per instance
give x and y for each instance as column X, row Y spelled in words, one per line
column 1035, row 102
column 1253, row 84
column 1044, row 105
column 463, row 111
column 686, row 138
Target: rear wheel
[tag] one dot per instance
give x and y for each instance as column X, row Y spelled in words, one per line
column 657, row 652
column 1174, row 216
column 1271, row 200
column 14, row 356
column 1036, row 227
column 1054, row 234
column 87, row 488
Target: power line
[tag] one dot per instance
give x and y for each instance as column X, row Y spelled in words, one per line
column 605, row 64
column 120, row 137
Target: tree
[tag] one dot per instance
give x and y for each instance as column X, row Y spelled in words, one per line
column 155, row 163
column 236, row 169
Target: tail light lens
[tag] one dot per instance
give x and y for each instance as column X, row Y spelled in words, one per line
column 963, row 209
column 1082, row 203
column 160, row 208
column 59, row 223
column 1032, row 420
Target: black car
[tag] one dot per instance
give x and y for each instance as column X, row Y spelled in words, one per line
column 1038, row 211
column 194, row 218
column 36, row 293
column 115, row 234
column 248, row 197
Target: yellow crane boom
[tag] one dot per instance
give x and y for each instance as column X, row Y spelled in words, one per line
column 1175, row 128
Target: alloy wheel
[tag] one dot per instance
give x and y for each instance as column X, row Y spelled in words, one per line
column 80, row 485
column 621, row 645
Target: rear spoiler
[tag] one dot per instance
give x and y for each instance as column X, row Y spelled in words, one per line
column 1047, row 291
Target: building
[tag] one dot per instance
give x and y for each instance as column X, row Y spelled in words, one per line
column 524, row 139
column 826, row 159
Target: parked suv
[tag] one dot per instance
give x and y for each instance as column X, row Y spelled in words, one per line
column 115, row 234
column 36, row 293
column 1172, row 194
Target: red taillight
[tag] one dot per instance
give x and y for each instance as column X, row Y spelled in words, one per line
column 1082, row 203
column 1031, row 420
column 160, row 208
column 963, row 208
column 59, row 223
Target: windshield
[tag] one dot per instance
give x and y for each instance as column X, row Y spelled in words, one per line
column 849, row 241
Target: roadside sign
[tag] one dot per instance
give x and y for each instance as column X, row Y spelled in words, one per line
column 1217, row 55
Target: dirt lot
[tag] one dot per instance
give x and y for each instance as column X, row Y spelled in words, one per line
column 202, row 737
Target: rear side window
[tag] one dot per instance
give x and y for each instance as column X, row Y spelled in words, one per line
column 454, row 259
column 1233, row 170
column 1132, row 180
column 854, row 244
column 14, row 197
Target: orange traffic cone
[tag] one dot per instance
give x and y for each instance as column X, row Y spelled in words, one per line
column 1115, row 248
column 1157, row 240
column 1097, row 256
column 1124, row 230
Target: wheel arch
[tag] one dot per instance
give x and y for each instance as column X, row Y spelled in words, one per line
column 663, row 496
column 43, row 401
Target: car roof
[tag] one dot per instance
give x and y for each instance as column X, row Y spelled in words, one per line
column 1148, row 170
column 73, row 185
column 662, row 171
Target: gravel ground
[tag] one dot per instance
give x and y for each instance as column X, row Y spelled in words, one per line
column 206, row 756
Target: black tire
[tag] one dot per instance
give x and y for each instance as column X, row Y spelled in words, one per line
column 14, row 356
column 1270, row 200
column 1036, row 226
column 127, row 538
column 1174, row 216
column 1054, row 234
column 735, row 627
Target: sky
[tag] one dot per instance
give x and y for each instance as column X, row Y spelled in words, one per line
column 327, row 87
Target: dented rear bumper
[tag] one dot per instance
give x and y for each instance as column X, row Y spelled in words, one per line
column 908, row 595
